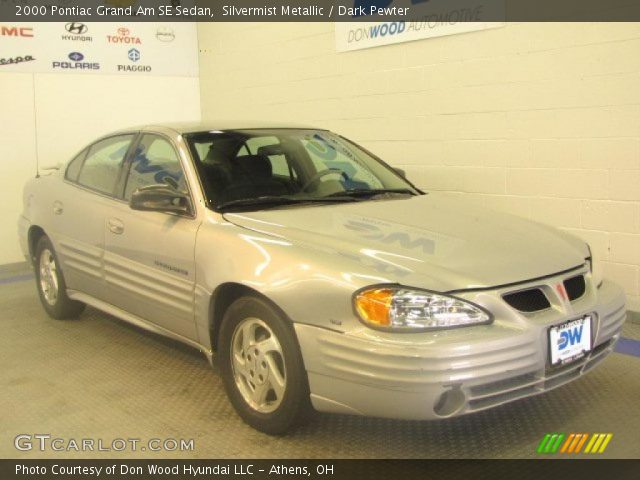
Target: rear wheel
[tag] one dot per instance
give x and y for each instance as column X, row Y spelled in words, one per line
column 262, row 367
column 51, row 286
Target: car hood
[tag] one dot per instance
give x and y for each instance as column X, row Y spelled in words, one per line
column 447, row 244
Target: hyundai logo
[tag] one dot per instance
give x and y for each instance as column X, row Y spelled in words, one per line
column 134, row 55
column 76, row 56
column 76, row 28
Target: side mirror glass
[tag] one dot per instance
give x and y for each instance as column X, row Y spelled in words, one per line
column 160, row 198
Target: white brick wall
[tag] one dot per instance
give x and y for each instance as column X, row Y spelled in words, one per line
column 540, row 120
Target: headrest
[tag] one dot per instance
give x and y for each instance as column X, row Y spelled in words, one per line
column 267, row 150
column 255, row 166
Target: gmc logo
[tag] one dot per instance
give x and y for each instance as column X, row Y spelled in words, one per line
column 16, row 31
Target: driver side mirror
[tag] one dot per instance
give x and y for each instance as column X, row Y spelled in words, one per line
column 400, row 172
column 160, row 198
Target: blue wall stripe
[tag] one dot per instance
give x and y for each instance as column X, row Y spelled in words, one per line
column 16, row 279
column 628, row 346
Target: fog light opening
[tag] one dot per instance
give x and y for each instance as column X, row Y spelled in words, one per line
column 450, row 402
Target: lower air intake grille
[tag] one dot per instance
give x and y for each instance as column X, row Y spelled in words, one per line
column 575, row 287
column 532, row 300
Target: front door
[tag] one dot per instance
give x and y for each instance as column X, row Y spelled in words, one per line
column 149, row 256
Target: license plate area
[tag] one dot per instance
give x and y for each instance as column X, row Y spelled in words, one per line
column 569, row 341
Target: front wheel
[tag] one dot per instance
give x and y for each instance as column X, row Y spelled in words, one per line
column 51, row 286
column 262, row 366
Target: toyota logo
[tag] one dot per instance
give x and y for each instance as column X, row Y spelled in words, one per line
column 76, row 28
column 123, row 32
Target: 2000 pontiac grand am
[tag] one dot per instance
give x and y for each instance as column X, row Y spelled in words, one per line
column 318, row 274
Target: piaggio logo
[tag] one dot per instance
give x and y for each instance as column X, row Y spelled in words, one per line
column 593, row 443
column 25, row 32
column 134, row 55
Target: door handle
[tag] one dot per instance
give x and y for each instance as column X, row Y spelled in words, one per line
column 58, row 208
column 116, row 226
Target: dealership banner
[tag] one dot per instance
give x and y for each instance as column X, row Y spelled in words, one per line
column 436, row 18
column 113, row 48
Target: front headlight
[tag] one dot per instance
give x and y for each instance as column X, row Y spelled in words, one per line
column 403, row 309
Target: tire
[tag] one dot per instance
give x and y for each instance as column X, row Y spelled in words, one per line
column 262, row 367
column 50, row 283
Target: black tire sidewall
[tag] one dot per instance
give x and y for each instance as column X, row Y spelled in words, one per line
column 295, row 404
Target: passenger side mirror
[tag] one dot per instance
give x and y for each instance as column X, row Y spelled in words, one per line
column 401, row 172
column 160, row 198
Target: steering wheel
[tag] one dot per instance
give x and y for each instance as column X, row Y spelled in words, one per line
column 321, row 174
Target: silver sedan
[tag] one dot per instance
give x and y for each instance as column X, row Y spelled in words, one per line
column 319, row 276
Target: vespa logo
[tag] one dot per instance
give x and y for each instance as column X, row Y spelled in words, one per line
column 16, row 31
column 76, row 28
column 373, row 232
column 570, row 337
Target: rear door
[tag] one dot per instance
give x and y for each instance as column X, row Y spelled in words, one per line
column 149, row 256
column 79, row 211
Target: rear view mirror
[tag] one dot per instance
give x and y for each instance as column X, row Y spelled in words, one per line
column 160, row 198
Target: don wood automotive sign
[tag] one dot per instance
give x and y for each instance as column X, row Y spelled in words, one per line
column 429, row 18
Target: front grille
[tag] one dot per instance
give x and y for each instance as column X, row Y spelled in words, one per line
column 575, row 287
column 532, row 300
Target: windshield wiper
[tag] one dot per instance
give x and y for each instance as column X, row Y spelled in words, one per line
column 275, row 201
column 371, row 192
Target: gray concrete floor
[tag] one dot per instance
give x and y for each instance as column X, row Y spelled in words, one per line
column 101, row 378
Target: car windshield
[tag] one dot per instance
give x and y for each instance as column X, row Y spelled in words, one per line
column 254, row 169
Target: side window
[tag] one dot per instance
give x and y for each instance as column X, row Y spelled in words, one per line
column 155, row 162
column 73, row 168
column 102, row 165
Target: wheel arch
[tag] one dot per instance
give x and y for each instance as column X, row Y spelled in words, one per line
column 222, row 298
column 33, row 237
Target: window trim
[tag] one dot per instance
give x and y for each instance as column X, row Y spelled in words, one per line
column 84, row 151
column 113, row 194
column 128, row 162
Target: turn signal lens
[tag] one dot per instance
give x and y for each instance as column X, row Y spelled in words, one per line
column 373, row 306
column 403, row 309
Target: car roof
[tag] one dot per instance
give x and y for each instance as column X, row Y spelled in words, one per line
column 190, row 127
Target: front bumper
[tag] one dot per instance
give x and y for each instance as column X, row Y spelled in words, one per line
column 447, row 373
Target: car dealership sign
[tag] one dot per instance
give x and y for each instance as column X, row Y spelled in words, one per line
column 108, row 48
column 424, row 19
